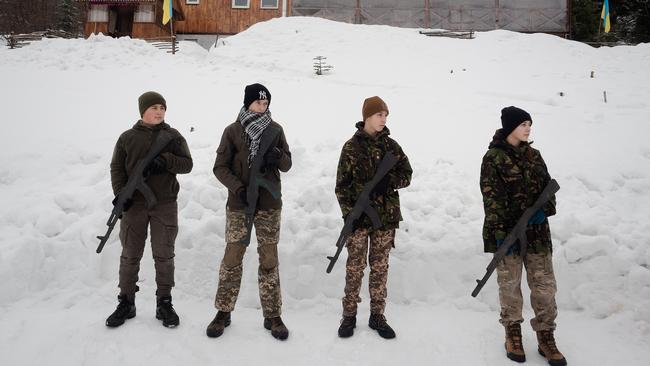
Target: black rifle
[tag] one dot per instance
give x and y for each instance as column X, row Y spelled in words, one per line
column 256, row 180
column 363, row 206
column 136, row 182
column 518, row 233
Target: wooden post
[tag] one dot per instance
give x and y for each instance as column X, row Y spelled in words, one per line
column 357, row 13
column 427, row 15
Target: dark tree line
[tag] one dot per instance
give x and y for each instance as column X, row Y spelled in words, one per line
column 25, row 16
column 630, row 21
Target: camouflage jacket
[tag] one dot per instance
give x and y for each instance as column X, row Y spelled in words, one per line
column 511, row 180
column 359, row 160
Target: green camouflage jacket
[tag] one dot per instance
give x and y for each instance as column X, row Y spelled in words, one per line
column 511, row 180
column 359, row 160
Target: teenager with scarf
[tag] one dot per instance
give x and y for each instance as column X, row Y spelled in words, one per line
column 239, row 146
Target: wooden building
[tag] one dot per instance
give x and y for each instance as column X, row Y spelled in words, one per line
column 198, row 20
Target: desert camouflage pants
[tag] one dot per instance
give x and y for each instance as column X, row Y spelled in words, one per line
column 163, row 221
column 381, row 241
column 541, row 281
column 267, row 230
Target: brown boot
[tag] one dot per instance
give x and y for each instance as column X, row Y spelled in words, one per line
column 277, row 328
column 548, row 348
column 218, row 324
column 514, row 346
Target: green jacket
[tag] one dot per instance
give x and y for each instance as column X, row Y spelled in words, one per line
column 512, row 178
column 359, row 160
column 134, row 144
column 231, row 166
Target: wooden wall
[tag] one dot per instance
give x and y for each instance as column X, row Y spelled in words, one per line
column 218, row 16
column 208, row 17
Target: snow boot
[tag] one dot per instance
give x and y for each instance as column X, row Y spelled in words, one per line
column 348, row 323
column 378, row 323
column 277, row 328
column 548, row 348
column 514, row 345
column 218, row 324
column 125, row 310
column 165, row 312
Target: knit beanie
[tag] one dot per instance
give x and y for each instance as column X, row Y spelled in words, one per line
column 512, row 117
column 373, row 105
column 254, row 92
column 148, row 99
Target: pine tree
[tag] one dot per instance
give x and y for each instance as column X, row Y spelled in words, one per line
column 68, row 17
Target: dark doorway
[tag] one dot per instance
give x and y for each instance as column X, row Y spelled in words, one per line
column 120, row 20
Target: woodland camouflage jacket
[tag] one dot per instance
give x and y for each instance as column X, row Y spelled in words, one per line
column 511, row 180
column 359, row 160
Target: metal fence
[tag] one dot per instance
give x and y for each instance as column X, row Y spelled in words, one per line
column 550, row 16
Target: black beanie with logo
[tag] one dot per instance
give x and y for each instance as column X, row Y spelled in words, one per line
column 254, row 92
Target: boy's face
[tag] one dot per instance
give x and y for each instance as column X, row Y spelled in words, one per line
column 154, row 115
column 376, row 122
column 259, row 106
column 522, row 132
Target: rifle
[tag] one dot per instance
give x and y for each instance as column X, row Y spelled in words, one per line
column 136, row 182
column 256, row 180
column 363, row 206
column 518, row 233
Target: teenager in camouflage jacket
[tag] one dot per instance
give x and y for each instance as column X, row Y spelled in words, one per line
column 513, row 174
column 358, row 163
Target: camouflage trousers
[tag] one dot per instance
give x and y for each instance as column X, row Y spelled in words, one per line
column 541, row 281
column 267, row 230
column 163, row 221
column 381, row 241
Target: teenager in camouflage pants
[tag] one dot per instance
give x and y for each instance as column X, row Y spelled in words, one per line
column 359, row 160
column 236, row 151
column 513, row 174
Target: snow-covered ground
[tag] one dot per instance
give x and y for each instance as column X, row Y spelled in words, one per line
column 65, row 102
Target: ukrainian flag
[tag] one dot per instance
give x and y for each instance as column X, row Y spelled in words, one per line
column 167, row 11
column 604, row 15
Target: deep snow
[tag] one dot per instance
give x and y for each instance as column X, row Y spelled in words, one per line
column 65, row 102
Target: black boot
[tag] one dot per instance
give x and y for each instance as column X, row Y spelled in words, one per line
column 277, row 328
column 378, row 323
column 348, row 323
column 218, row 324
column 125, row 310
column 165, row 312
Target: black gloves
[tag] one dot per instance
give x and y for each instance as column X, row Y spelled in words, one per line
column 127, row 204
column 272, row 157
column 156, row 167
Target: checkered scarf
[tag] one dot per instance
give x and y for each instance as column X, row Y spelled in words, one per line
column 254, row 125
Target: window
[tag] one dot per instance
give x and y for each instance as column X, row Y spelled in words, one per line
column 192, row 2
column 242, row 4
column 98, row 13
column 144, row 14
column 269, row 4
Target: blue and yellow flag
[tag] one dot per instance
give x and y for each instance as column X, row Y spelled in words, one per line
column 167, row 11
column 604, row 15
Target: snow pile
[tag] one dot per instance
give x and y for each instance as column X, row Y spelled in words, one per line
column 65, row 102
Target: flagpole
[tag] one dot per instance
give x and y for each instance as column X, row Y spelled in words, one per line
column 171, row 27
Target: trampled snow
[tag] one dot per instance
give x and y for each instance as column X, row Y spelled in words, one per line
column 65, row 102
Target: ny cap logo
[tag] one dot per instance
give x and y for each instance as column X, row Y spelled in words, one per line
column 262, row 95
